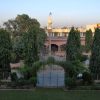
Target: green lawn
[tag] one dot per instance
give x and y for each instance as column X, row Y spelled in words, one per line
column 48, row 94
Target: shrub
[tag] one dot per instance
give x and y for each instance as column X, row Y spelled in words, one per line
column 51, row 60
column 70, row 82
column 87, row 78
column 83, row 58
column 14, row 76
column 33, row 80
column 14, row 58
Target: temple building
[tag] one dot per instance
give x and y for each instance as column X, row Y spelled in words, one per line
column 57, row 37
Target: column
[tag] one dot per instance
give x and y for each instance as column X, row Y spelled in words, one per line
column 59, row 49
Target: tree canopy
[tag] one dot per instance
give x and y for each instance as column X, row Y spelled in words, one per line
column 22, row 23
column 27, row 37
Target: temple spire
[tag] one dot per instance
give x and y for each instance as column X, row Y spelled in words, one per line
column 49, row 24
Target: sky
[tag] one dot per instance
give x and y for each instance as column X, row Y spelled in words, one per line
column 64, row 12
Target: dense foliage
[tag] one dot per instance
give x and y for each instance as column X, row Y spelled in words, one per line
column 95, row 55
column 73, row 46
column 5, row 51
column 27, row 38
column 88, row 40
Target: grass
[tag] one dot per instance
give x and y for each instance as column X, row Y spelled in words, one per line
column 48, row 94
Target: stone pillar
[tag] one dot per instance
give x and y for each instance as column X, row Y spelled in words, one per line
column 59, row 49
column 50, row 46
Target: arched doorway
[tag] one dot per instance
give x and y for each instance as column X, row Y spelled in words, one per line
column 54, row 47
column 51, row 76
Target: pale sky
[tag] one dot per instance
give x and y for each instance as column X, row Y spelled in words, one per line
column 64, row 12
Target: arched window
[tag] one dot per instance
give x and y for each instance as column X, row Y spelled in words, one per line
column 54, row 47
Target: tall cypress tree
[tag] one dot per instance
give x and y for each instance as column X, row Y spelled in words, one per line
column 95, row 55
column 88, row 40
column 73, row 45
column 5, row 54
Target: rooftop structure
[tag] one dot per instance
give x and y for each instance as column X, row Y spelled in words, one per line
column 57, row 37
